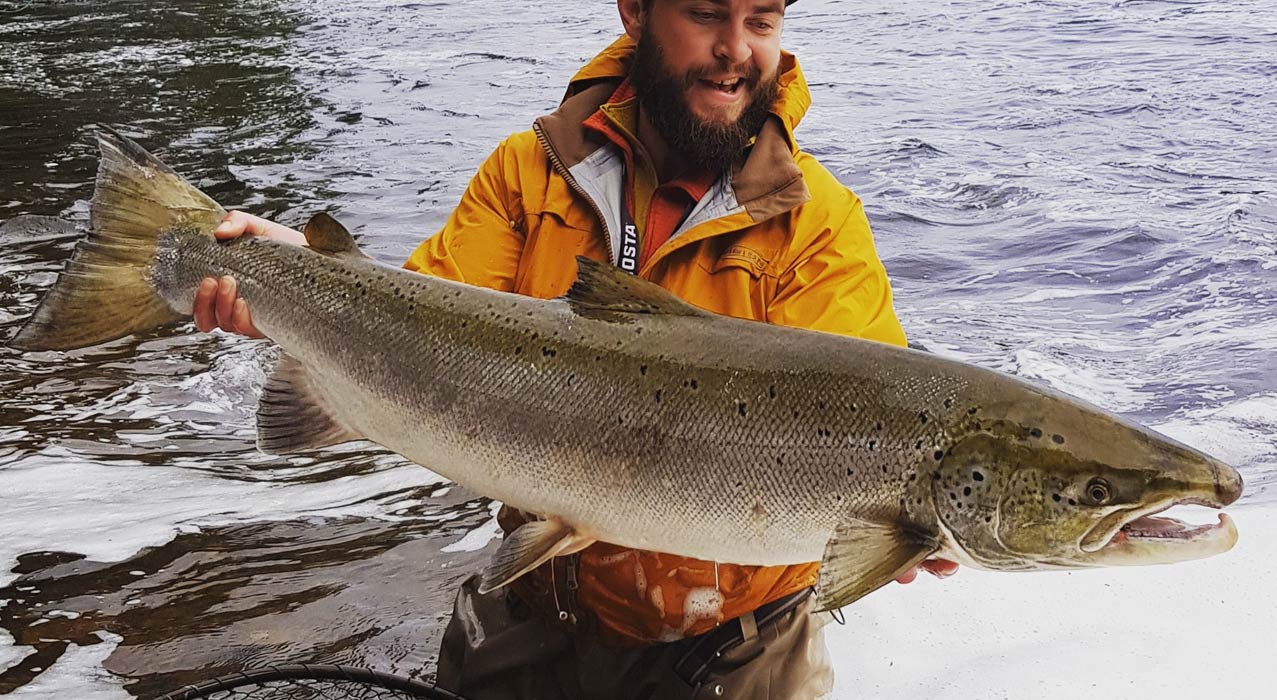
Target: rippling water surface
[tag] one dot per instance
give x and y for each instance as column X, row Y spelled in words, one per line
column 1082, row 193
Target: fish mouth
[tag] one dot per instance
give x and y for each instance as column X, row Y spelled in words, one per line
column 1143, row 536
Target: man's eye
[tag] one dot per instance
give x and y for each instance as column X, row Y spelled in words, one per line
column 701, row 16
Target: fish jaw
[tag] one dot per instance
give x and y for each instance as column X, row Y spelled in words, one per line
column 1139, row 536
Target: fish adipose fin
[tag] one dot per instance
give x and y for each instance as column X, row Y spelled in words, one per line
column 862, row 557
column 609, row 293
column 326, row 235
column 292, row 416
column 105, row 291
column 528, row 547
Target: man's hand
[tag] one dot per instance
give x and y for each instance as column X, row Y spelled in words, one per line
column 217, row 302
column 940, row 568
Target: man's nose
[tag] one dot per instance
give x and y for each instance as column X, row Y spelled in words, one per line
column 733, row 45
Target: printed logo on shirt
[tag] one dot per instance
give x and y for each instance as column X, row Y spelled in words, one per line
column 629, row 249
column 740, row 256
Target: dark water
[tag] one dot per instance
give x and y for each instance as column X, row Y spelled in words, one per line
column 1082, row 193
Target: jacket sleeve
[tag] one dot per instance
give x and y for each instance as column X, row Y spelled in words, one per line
column 837, row 284
column 482, row 241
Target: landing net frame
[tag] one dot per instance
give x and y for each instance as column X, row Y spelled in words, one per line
column 310, row 682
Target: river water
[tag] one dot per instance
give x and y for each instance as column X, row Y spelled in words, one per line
column 1082, row 193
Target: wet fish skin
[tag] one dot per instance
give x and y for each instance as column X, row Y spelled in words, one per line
column 623, row 414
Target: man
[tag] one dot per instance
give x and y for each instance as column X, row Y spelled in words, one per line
column 672, row 155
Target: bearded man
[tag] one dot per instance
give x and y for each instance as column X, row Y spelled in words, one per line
column 672, row 156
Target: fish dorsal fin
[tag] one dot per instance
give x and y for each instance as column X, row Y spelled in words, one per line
column 605, row 291
column 529, row 546
column 326, row 235
column 862, row 557
column 293, row 416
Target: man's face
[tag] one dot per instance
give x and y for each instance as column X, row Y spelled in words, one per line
column 706, row 73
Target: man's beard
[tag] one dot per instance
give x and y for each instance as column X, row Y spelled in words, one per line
column 662, row 97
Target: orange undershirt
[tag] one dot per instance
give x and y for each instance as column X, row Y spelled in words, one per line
column 666, row 204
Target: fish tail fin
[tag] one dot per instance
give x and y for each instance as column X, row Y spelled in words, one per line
column 105, row 292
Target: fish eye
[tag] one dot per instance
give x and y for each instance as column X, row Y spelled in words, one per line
column 1098, row 491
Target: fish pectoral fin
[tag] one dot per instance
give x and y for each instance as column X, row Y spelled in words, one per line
column 529, row 546
column 607, row 292
column 326, row 235
column 862, row 557
column 292, row 416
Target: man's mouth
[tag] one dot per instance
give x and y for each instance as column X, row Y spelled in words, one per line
column 730, row 87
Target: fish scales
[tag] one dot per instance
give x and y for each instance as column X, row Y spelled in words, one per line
column 730, row 446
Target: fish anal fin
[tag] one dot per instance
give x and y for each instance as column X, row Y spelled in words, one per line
column 293, row 416
column 862, row 557
column 324, row 234
column 608, row 292
column 529, row 546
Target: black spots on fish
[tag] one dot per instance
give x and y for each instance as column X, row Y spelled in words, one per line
column 939, row 455
column 988, row 518
column 547, row 351
column 853, row 407
column 878, row 427
column 518, row 349
column 977, row 475
column 913, row 476
column 1056, row 497
column 1035, row 433
column 918, row 445
column 922, row 417
column 820, row 406
column 935, row 476
column 824, row 432
column 953, row 496
column 948, row 403
column 1072, row 501
column 780, row 460
column 740, row 484
column 1057, row 439
column 851, row 472
column 571, row 379
column 598, row 358
column 691, row 384
column 795, row 414
column 771, row 392
column 740, row 408
column 658, row 395
column 966, row 491
column 884, row 469
column 872, row 444
column 643, row 370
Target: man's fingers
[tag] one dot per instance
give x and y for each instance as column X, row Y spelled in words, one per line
column 940, row 568
column 226, row 291
column 243, row 320
column 237, row 223
column 204, row 312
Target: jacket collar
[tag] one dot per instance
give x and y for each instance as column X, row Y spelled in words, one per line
column 767, row 184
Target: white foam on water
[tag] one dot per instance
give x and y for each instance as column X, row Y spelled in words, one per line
column 79, row 674
column 479, row 537
column 10, row 653
column 1080, row 380
column 1190, row 630
column 108, row 512
column 1243, row 432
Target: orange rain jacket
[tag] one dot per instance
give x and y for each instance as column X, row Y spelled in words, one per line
column 779, row 240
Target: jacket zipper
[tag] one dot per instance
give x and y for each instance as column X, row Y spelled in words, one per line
column 567, row 176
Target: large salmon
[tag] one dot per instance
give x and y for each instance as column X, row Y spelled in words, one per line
column 623, row 414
